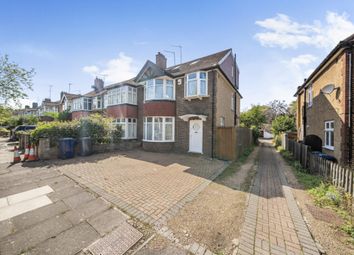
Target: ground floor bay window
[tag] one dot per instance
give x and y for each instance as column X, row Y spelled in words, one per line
column 128, row 126
column 159, row 129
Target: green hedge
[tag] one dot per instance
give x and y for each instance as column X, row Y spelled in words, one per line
column 97, row 127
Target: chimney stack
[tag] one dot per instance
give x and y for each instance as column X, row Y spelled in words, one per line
column 98, row 84
column 161, row 60
column 34, row 105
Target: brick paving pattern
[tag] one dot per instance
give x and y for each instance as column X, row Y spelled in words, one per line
column 147, row 185
column 273, row 222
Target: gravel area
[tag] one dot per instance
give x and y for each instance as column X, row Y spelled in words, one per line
column 213, row 219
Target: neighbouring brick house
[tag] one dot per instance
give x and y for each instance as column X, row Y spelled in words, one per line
column 49, row 106
column 325, row 104
column 175, row 108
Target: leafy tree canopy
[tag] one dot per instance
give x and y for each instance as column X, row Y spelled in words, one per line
column 283, row 123
column 13, row 80
column 254, row 117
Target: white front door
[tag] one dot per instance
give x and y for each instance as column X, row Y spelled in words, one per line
column 196, row 136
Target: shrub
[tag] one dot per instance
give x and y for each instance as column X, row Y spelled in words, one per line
column 64, row 115
column 4, row 132
column 95, row 126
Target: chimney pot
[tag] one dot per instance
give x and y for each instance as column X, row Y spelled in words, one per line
column 161, row 60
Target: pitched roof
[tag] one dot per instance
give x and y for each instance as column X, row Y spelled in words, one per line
column 70, row 96
column 206, row 62
column 54, row 103
column 349, row 41
column 118, row 84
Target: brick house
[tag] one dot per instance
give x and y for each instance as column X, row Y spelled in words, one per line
column 174, row 108
column 49, row 106
column 325, row 103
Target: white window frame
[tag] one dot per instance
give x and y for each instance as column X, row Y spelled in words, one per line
column 121, row 95
column 164, row 90
column 198, row 79
column 127, row 124
column 163, row 129
column 329, row 144
column 310, row 96
column 79, row 103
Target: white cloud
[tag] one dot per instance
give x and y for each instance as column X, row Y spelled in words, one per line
column 302, row 60
column 282, row 31
column 115, row 70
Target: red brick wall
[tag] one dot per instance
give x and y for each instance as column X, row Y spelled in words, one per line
column 79, row 114
column 160, row 108
column 122, row 111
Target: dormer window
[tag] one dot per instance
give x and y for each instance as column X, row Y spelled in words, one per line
column 196, row 85
column 159, row 89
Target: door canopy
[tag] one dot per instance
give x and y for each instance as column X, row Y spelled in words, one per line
column 187, row 117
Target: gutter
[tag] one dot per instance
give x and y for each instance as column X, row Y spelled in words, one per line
column 213, row 115
column 350, row 80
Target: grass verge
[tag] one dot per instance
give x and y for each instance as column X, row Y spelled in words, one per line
column 325, row 195
column 235, row 165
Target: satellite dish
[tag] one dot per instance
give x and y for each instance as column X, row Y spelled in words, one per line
column 328, row 89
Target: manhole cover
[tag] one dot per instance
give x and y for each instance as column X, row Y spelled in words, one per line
column 117, row 242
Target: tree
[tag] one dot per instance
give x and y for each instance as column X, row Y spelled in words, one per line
column 5, row 115
column 275, row 109
column 283, row 123
column 13, row 80
column 254, row 117
column 292, row 108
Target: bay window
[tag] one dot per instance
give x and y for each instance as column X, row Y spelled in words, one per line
column 82, row 103
column 196, row 85
column 159, row 89
column 128, row 127
column 329, row 135
column 122, row 95
column 159, row 129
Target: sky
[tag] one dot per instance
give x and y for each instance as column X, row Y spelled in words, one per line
column 278, row 43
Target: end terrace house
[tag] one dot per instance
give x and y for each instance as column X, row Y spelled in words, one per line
column 176, row 108
column 325, row 105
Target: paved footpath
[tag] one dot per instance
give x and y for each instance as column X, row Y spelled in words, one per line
column 273, row 222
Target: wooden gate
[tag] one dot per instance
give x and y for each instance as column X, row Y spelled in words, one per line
column 226, row 143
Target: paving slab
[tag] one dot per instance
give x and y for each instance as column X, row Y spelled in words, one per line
column 23, row 207
column 6, row 228
column 27, row 195
column 31, row 218
column 65, row 193
column 69, row 242
column 117, row 242
column 79, row 199
column 105, row 222
column 24, row 240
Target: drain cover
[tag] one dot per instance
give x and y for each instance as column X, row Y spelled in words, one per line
column 117, row 242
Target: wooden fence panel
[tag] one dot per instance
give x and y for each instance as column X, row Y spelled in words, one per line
column 339, row 176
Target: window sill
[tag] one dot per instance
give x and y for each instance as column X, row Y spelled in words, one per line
column 129, row 138
column 189, row 98
column 331, row 148
column 159, row 99
column 120, row 104
column 150, row 141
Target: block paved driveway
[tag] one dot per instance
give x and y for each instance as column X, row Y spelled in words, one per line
column 144, row 184
column 273, row 222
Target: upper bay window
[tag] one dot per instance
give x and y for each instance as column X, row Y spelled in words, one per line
column 122, row 95
column 82, row 103
column 196, row 85
column 159, row 89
